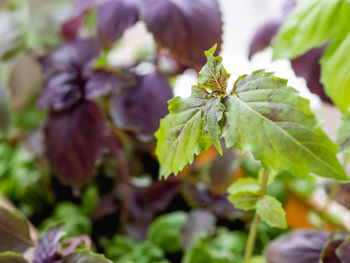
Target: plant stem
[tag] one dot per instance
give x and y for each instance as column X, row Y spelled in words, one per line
column 255, row 224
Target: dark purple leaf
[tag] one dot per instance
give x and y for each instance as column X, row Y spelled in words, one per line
column 114, row 17
column 343, row 251
column 308, row 67
column 84, row 256
column 106, row 206
column 186, row 28
column 10, row 257
column 47, row 249
column 305, row 246
column 67, row 71
column 263, row 37
column 73, row 56
column 102, row 82
column 328, row 254
column 201, row 197
column 61, row 91
column 14, row 232
column 71, row 26
column 141, row 106
column 147, row 201
column 222, row 171
column 198, row 223
column 74, row 138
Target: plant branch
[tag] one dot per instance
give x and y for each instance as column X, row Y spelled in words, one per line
column 255, row 224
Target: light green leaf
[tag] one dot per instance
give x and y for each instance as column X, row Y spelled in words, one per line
column 213, row 75
column 272, row 121
column 311, row 24
column 85, row 256
column 271, row 212
column 10, row 257
column 244, row 184
column 343, row 139
column 244, row 200
column 244, row 193
column 165, row 231
column 335, row 73
column 187, row 130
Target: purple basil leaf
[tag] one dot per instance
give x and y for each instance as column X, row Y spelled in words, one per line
column 201, row 197
column 304, row 245
column 67, row 70
column 328, row 254
column 198, row 223
column 114, row 17
column 308, row 67
column 71, row 26
column 10, row 257
column 101, row 82
column 14, row 232
column 74, row 138
column 84, row 256
column 343, row 251
column 72, row 56
column 263, row 37
column 47, row 249
column 186, row 28
column 160, row 194
column 141, row 106
column 61, row 91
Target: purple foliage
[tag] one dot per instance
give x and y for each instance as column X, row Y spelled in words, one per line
column 141, row 106
column 74, row 139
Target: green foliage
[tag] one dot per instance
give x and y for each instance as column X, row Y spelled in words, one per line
column 271, row 212
column 226, row 247
column 311, row 24
column 244, row 194
column 4, row 110
column 182, row 133
column 14, row 19
column 343, row 139
column 10, row 257
column 83, row 256
column 76, row 221
column 165, row 231
column 335, row 68
column 123, row 249
column 21, row 181
column 213, row 75
column 263, row 115
column 89, row 199
column 271, row 120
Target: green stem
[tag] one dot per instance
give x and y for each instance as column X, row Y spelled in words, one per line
column 255, row 224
